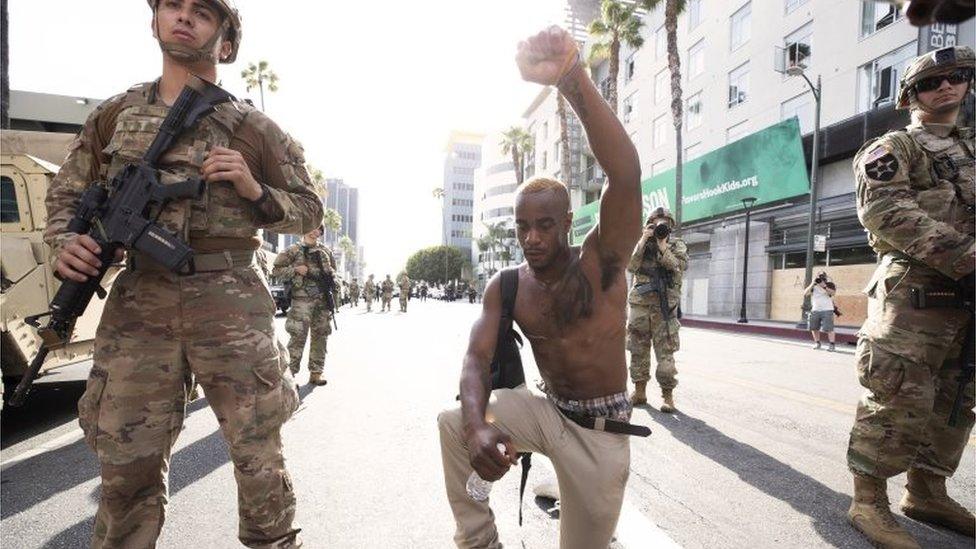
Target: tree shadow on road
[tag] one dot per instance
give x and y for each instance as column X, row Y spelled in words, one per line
column 826, row 507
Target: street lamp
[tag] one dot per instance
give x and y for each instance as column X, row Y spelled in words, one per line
column 747, row 204
column 797, row 70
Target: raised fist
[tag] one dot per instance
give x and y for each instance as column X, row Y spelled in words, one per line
column 546, row 56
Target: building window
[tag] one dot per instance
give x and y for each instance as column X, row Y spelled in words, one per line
column 545, row 131
column 694, row 9
column 693, row 108
column 629, row 67
column 693, row 151
column 877, row 81
column 877, row 15
column 9, row 211
column 661, row 86
column 739, row 25
column 545, row 159
column 801, row 107
column 737, row 131
column 628, row 107
column 799, row 47
column 660, row 43
column 660, row 131
column 657, row 168
column 555, row 153
column 696, row 59
column 739, row 85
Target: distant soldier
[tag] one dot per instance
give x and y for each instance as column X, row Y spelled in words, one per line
column 354, row 292
column 472, row 294
column 369, row 293
column 915, row 195
column 423, row 291
column 404, row 292
column 387, row 293
column 657, row 264
column 309, row 267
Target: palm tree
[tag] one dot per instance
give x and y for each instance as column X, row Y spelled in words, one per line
column 332, row 220
column 348, row 251
column 256, row 76
column 672, row 9
column 496, row 238
column 484, row 245
column 517, row 142
column 565, row 166
column 618, row 24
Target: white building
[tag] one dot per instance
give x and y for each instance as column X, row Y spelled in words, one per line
column 494, row 203
column 463, row 158
column 729, row 52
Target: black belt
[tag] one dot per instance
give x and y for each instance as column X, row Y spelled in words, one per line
column 605, row 424
column 935, row 299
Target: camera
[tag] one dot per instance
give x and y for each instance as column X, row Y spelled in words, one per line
column 821, row 278
column 662, row 230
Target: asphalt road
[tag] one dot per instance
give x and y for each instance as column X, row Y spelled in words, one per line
column 754, row 459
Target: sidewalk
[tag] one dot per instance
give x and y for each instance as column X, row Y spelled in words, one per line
column 773, row 328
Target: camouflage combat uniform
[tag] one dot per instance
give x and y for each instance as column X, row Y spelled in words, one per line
column 387, row 287
column 308, row 312
column 646, row 325
column 915, row 195
column 354, row 293
column 404, row 293
column 160, row 330
column 369, row 292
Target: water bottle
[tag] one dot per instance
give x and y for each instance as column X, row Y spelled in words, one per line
column 477, row 487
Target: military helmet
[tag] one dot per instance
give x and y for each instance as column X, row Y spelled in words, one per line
column 661, row 211
column 932, row 63
column 231, row 28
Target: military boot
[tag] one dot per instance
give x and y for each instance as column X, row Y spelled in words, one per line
column 315, row 378
column 639, row 397
column 871, row 515
column 668, row 406
column 926, row 500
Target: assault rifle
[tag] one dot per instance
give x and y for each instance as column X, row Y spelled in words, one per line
column 116, row 214
column 327, row 285
column 661, row 280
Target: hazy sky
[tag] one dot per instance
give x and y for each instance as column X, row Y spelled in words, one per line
column 371, row 89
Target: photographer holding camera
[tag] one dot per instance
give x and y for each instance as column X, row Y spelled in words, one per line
column 658, row 264
column 821, row 317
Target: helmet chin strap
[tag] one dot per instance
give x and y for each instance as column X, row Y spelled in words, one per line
column 186, row 54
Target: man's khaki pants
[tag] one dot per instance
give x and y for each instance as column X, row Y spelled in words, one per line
column 592, row 468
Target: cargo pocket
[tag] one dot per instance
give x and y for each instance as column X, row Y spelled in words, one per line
column 880, row 371
column 90, row 403
column 276, row 396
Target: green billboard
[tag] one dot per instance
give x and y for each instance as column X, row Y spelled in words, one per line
column 767, row 165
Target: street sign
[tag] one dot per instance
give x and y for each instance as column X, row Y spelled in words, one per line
column 768, row 165
column 820, row 243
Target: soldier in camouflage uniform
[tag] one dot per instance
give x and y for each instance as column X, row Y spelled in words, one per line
column 915, row 196
column 161, row 330
column 404, row 292
column 369, row 292
column 354, row 293
column 660, row 263
column 387, row 288
column 305, row 265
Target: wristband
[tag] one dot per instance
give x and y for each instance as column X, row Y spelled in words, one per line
column 264, row 195
column 577, row 62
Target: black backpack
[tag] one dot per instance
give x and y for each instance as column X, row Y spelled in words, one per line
column 506, row 365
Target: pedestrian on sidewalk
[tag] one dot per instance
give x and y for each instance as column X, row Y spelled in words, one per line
column 915, row 197
column 821, row 317
column 658, row 263
column 569, row 303
column 160, row 330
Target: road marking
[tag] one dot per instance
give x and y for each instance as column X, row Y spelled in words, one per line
column 70, row 437
column 635, row 531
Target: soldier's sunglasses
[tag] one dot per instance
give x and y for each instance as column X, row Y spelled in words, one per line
column 958, row 76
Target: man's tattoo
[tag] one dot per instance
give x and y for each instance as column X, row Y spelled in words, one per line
column 572, row 92
column 572, row 296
